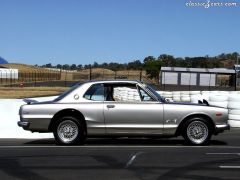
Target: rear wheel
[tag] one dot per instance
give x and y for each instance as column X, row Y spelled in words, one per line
column 69, row 131
column 197, row 131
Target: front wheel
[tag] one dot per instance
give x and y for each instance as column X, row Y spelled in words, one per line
column 197, row 131
column 69, row 131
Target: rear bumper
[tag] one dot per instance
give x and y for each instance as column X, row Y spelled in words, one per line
column 23, row 124
column 222, row 127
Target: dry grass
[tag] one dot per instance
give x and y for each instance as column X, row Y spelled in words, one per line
column 26, row 68
column 15, row 93
column 30, row 69
column 101, row 73
column 97, row 71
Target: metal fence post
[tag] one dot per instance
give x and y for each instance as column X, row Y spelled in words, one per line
column 6, row 77
column 10, row 77
column 140, row 78
column 35, row 83
column 65, row 78
column 90, row 71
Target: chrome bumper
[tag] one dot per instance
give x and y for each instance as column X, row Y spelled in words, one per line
column 24, row 125
column 221, row 127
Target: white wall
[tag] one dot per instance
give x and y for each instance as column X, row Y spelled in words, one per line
column 169, row 78
column 188, row 78
column 207, row 80
column 8, row 73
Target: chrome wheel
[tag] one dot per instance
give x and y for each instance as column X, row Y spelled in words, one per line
column 67, row 131
column 197, row 132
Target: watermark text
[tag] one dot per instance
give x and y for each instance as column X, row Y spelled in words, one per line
column 208, row 4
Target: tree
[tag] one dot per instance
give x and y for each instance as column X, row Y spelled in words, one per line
column 135, row 65
column 66, row 67
column 167, row 60
column 148, row 58
column 180, row 62
column 73, row 67
column 152, row 67
column 59, row 66
column 79, row 67
column 87, row 66
column 49, row 65
column 95, row 64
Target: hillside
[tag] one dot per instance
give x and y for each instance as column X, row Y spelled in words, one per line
column 24, row 67
column 3, row 61
column 228, row 63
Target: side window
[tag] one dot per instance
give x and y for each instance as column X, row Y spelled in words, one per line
column 144, row 95
column 126, row 94
column 95, row 93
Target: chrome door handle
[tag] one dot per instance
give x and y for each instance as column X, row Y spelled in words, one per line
column 110, row 106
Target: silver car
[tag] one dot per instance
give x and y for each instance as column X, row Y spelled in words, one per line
column 121, row 109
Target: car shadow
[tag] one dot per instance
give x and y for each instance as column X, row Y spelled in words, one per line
column 127, row 142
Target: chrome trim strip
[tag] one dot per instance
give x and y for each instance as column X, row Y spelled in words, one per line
column 33, row 116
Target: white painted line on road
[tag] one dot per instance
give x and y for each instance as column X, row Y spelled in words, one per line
column 119, row 146
column 223, row 154
column 132, row 159
column 229, row 167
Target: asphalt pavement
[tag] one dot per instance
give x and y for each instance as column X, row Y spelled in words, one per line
column 121, row 158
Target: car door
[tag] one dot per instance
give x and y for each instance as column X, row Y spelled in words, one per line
column 138, row 114
column 92, row 109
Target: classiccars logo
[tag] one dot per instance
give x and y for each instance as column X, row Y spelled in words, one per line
column 208, row 4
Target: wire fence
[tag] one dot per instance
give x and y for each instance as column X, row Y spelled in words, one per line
column 67, row 78
column 27, row 77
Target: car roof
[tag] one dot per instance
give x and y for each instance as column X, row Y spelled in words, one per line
column 112, row 81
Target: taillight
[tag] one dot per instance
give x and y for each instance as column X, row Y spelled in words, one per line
column 218, row 114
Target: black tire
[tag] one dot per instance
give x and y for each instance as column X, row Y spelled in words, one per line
column 68, row 130
column 197, row 131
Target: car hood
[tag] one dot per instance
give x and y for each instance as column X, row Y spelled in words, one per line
column 186, row 103
column 193, row 104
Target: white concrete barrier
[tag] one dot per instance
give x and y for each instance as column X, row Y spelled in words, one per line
column 218, row 98
column 223, row 104
column 234, row 111
column 234, row 123
column 226, row 99
column 9, row 117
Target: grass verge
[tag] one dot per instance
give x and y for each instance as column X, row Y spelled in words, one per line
column 26, row 92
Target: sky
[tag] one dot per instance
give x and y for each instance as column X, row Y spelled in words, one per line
column 88, row 31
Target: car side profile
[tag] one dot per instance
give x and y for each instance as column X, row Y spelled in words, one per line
column 121, row 109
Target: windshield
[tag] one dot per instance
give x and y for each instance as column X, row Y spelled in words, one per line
column 160, row 98
column 67, row 92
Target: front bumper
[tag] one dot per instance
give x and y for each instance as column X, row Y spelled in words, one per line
column 23, row 124
column 222, row 127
